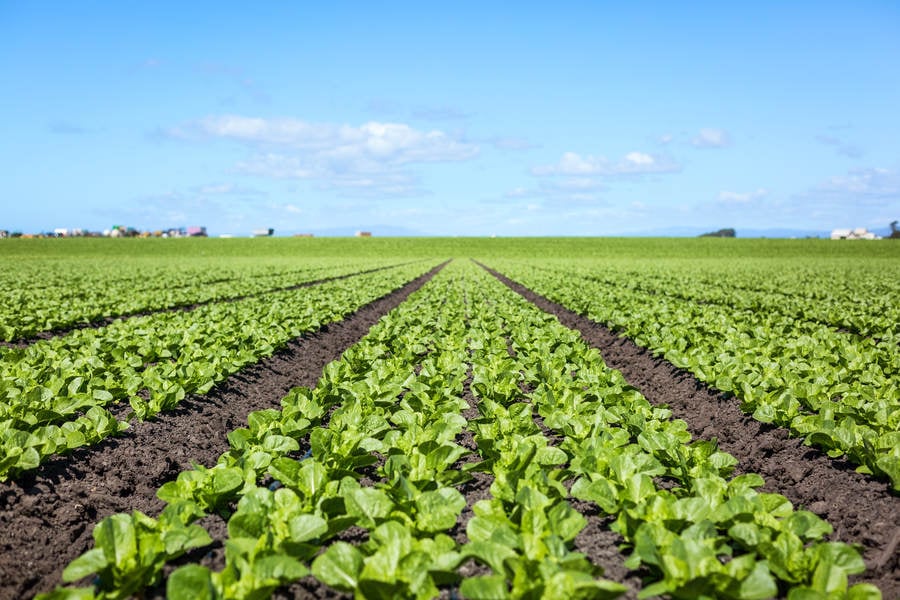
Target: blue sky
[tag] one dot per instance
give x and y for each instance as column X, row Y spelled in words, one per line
column 472, row 118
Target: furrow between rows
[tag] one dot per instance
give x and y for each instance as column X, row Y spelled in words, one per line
column 46, row 515
column 862, row 509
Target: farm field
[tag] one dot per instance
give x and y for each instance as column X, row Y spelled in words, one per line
column 475, row 418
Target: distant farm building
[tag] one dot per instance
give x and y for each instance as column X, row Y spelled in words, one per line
column 860, row 233
column 303, row 235
column 263, row 232
column 121, row 231
column 363, row 234
column 65, row 232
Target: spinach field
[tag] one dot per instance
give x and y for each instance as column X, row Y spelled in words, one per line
column 449, row 418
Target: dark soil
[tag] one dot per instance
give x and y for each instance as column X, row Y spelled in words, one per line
column 477, row 488
column 596, row 541
column 187, row 307
column 601, row 545
column 862, row 509
column 46, row 516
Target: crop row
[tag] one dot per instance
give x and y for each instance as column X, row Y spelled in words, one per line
column 276, row 527
column 54, row 393
column 26, row 311
column 852, row 302
column 870, row 313
column 372, row 454
column 840, row 392
column 700, row 531
column 772, row 310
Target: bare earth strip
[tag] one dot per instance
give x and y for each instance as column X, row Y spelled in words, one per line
column 861, row 509
column 47, row 515
column 188, row 307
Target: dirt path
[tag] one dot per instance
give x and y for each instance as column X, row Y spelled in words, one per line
column 861, row 509
column 47, row 515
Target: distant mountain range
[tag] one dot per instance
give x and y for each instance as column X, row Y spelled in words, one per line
column 376, row 230
column 747, row 233
column 394, row 231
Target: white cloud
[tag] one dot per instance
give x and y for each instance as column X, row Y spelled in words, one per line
column 562, row 190
column 863, row 184
column 580, row 180
column 866, row 197
column 726, row 197
column 634, row 163
column 251, row 130
column 573, row 164
column 396, row 142
column 518, row 192
column 279, row 166
column 571, row 191
column 711, row 138
column 639, row 158
column 369, row 158
column 362, row 178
